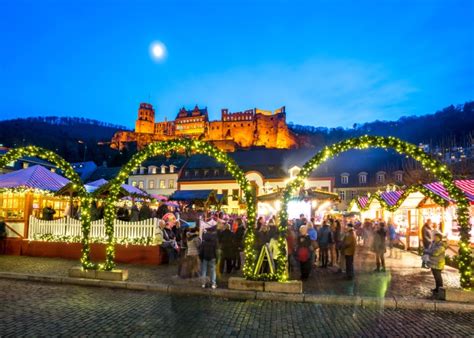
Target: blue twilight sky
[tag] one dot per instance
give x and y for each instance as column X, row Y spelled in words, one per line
column 331, row 63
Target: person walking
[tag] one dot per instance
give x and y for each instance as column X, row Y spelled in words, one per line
column 324, row 240
column 380, row 236
column 349, row 246
column 437, row 260
column 208, row 256
column 427, row 238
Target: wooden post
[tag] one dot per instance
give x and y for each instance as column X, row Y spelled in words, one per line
column 28, row 207
column 408, row 229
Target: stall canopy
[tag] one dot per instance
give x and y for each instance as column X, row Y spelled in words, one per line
column 310, row 194
column 467, row 186
column 34, row 177
column 101, row 186
column 197, row 195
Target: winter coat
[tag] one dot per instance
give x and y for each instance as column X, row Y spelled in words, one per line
column 324, row 236
column 437, row 255
column 145, row 212
column 134, row 214
column 226, row 243
column 208, row 249
column 263, row 237
column 239, row 238
column 427, row 236
column 349, row 241
column 379, row 241
column 194, row 243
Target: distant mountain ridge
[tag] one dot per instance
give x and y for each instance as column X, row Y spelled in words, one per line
column 451, row 126
column 69, row 136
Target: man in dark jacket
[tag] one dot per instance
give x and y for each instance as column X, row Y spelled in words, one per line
column 208, row 255
column 379, row 247
column 48, row 213
column 427, row 237
column 228, row 249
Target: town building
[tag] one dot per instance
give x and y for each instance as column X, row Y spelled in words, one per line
column 158, row 176
column 235, row 130
column 24, row 162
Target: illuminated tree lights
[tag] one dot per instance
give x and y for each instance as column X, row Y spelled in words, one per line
column 194, row 146
column 189, row 146
column 439, row 170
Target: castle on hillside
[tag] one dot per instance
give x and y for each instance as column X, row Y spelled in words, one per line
column 254, row 127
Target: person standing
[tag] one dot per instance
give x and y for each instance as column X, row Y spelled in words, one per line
column 392, row 236
column 48, row 213
column 427, row 238
column 3, row 235
column 192, row 252
column 304, row 253
column 436, row 252
column 208, row 256
column 324, row 240
column 349, row 246
column 379, row 247
column 227, row 245
column 145, row 212
column 134, row 213
column 239, row 244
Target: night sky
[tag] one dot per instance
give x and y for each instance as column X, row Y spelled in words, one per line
column 331, row 63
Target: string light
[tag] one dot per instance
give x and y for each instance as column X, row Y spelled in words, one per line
column 439, row 170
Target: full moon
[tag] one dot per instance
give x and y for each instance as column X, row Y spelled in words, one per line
column 158, row 51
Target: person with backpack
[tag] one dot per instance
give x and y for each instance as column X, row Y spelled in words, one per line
column 324, row 240
column 208, row 256
column 304, row 253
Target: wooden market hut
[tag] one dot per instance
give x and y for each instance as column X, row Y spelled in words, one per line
column 200, row 199
column 26, row 192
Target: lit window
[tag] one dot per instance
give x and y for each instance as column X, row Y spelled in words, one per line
column 25, row 165
column 206, row 172
column 163, row 169
column 152, row 170
column 162, row 184
column 342, row 195
column 134, row 183
column 151, row 184
column 170, row 184
column 196, row 172
column 141, row 184
column 399, row 177
column 172, row 168
column 53, row 170
column 216, row 172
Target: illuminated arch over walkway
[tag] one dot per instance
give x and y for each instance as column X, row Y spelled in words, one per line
column 439, row 170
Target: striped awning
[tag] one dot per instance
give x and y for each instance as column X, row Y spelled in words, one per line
column 467, row 186
column 363, row 200
column 34, row 177
column 391, row 197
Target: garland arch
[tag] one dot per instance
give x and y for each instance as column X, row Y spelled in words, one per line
column 190, row 146
column 85, row 198
column 439, row 170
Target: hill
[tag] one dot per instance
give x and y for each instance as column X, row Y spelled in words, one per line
column 73, row 138
column 451, row 126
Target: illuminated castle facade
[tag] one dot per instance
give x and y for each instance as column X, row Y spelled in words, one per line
column 254, row 127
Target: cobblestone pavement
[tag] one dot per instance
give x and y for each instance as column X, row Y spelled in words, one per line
column 404, row 276
column 37, row 309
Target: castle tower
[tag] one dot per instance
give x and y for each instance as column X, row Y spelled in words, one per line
column 146, row 119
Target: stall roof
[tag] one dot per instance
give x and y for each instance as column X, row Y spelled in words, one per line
column 36, row 177
column 313, row 194
column 391, row 197
column 194, row 195
column 467, row 186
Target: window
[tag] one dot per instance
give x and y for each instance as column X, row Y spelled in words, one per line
column 206, row 172
column 163, row 169
column 162, row 184
column 216, row 172
column 380, row 177
column 25, row 165
column 172, row 168
column 141, row 184
column 186, row 173
column 196, row 172
column 225, row 192
column 235, row 194
column 53, row 170
column 134, row 183
column 151, row 184
column 344, row 179
column 399, row 176
column 142, row 170
column 324, row 188
column 342, row 195
column 362, row 178
column 170, row 184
